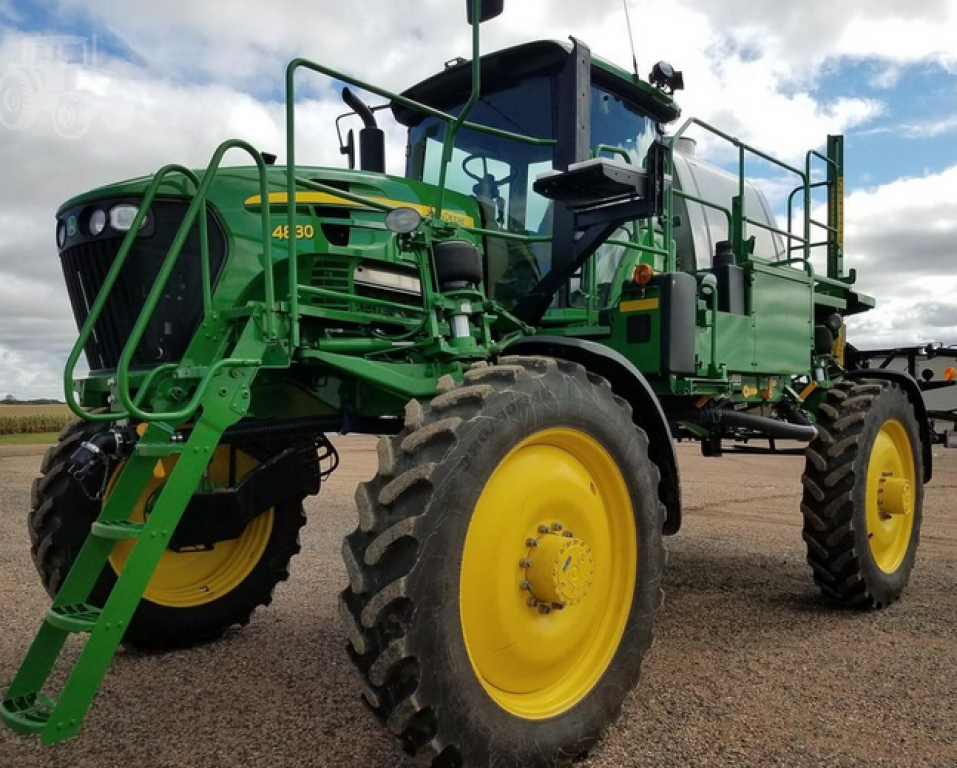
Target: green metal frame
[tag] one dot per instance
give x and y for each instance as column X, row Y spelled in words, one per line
column 738, row 219
column 123, row 388
column 25, row 708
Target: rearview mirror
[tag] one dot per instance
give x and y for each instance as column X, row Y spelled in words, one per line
column 488, row 9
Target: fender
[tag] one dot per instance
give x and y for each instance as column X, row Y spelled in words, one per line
column 912, row 389
column 627, row 382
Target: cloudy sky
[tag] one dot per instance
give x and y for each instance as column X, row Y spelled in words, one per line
column 170, row 80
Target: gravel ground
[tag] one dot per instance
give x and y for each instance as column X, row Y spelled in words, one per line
column 751, row 667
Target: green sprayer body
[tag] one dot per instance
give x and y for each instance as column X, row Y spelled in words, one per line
column 551, row 205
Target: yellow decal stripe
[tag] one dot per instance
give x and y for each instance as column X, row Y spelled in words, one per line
column 324, row 198
column 639, row 305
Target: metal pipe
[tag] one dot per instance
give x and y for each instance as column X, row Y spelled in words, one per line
column 359, row 107
column 453, row 128
column 763, row 425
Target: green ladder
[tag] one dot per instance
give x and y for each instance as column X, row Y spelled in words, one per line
column 25, row 707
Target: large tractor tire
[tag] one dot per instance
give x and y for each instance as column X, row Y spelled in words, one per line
column 863, row 494
column 507, row 567
column 194, row 596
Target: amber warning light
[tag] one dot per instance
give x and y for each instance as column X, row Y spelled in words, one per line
column 643, row 274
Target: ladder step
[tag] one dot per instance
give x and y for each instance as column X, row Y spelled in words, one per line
column 118, row 529
column 28, row 713
column 78, row 617
column 159, row 450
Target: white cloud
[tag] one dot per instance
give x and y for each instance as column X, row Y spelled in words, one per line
column 807, row 33
column 902, row 238
column 887, row 77
column 929, row 129
column 197, row 77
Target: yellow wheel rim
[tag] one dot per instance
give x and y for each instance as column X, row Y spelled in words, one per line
column 548, row 573
column 189, row 579
column 890, row 496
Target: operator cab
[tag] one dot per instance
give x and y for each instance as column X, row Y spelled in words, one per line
column 522, row 93
column 525, row 91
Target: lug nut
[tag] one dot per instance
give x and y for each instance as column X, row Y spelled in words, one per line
column 531, row 542
column 544, row 609
column 525, row 563
column 557, row 526
column 558, row 606
column 543, row 529
column 568, row 535
column 532, row 602
column 525, row 585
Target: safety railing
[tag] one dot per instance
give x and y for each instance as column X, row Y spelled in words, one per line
column 454, row 123
column 131, row 404
column 738, row 220
column 831, row 231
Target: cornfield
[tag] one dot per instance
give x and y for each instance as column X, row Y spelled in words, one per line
column 33, row 419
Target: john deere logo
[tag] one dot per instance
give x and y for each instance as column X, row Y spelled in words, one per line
column 71, row 226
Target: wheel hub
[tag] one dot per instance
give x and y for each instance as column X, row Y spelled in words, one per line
column 895, row 495
column 560, row 569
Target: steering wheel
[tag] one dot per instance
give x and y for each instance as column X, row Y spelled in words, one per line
column 487, row 186
column 486, row 177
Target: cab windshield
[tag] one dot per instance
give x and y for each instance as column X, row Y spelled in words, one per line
column 499, row 174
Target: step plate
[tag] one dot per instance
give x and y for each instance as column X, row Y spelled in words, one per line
column 78, row 617
column 119, row 530
column 28, row 713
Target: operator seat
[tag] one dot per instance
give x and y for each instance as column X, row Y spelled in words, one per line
column 511, row 268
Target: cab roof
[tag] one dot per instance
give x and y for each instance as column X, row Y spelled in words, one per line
column 453, row 85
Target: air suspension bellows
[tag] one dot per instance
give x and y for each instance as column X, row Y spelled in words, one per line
column 458, row 267
column 457, row 264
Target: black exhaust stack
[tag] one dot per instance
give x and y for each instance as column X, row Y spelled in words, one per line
column 371, row 137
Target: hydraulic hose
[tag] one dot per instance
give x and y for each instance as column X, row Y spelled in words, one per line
column 115, row 443
column 761, row 424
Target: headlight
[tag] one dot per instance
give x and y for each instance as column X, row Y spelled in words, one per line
column 402, row 221
column 97, row 221
column 61, row 233
column 122, row 215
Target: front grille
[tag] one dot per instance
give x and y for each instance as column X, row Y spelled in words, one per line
column 86, row 263
column 335, row 274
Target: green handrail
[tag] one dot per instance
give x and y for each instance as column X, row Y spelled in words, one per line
column 159, row 285
column 809, row 246
column 637, row 246
column 815, row 185
column 612, row 150
column 455, row 122
column 739, row 216
column 708, row 204
column 105, row 289
column 131, row 404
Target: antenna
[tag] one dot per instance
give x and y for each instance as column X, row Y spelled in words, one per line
column 631, row 39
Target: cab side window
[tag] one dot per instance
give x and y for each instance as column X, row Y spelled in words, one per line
column 617, row 123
